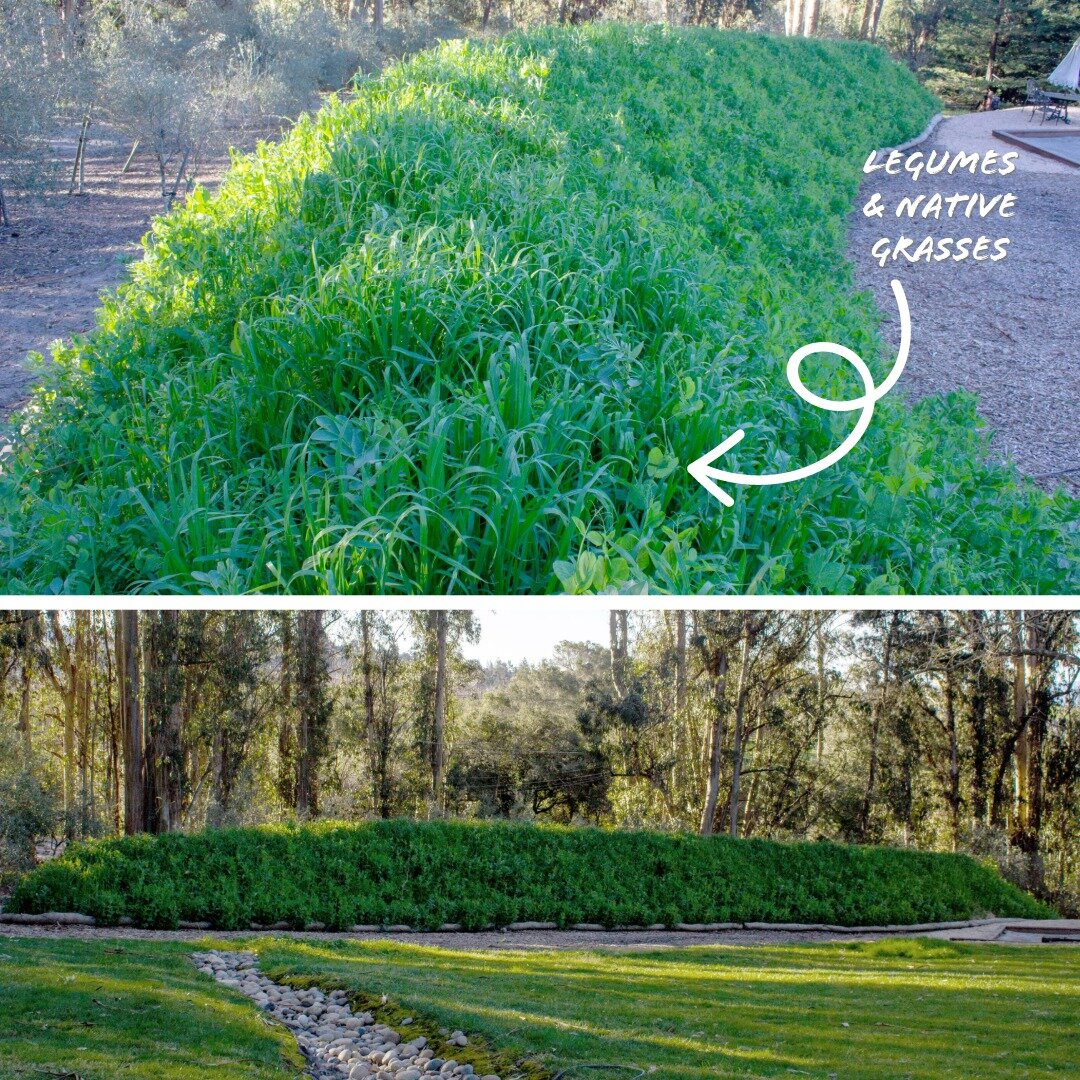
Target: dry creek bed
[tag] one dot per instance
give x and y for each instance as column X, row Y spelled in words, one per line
column 335, row 1041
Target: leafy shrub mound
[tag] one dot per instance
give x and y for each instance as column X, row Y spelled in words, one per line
column 465, row 331
column 424, row 874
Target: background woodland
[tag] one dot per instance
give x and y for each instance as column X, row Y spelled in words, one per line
column 931, row 729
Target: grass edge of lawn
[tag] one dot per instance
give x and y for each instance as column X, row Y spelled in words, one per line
column 91, row 997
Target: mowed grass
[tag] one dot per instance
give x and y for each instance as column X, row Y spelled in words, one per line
column 924, row 1010
column 100, row 1010
column 896, row 1009
column 464, row 332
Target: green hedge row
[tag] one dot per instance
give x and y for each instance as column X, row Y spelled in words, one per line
column 475, row 874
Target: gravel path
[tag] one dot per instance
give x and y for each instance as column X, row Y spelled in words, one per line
column 523, row 939
column 336, row 1041
column 1026, row 931
column 1008, row 331
column 62, row 251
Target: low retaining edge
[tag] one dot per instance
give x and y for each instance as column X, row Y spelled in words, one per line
column 73, row 918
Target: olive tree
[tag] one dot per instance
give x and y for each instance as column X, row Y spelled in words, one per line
column 31, row 75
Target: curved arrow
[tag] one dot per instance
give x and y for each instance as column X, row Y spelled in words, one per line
column 702, row 470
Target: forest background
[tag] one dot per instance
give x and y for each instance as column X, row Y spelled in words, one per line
column 185, row 79
column 928, row 729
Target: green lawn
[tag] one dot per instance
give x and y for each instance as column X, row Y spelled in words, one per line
column 896, row 1010
column 888, row 1010
column 101, row 1010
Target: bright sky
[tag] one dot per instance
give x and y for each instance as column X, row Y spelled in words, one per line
column 532, row 635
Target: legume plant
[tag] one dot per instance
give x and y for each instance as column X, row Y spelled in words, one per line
column 463, row 333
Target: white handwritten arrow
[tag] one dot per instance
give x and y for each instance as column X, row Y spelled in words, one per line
column 702, row 470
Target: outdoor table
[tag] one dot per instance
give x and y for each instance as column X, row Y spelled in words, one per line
column 1064, row 100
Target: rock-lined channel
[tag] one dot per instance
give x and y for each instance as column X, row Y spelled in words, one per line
column 335, row 1041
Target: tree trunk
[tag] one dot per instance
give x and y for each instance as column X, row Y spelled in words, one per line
column 112, row 771
column 78, row 170
column 26, row 674
column 793, row 17
column 66, row 688
column 82, row 714
column 680, row 662
column 867, row 15
column 740, row 720
column 810, row 18
column 718, row 670
column 438, row 757
column 875, row 16
column 378, row 737
column 953, row 794
column 313, row 709
column 164, row 722
column 750, row 813
column 377, row 19
column 977, row 711
column 1042, row 631
column 1020, row 724
column 995, row 41
column 127, row 664
column 875, row 730
column 819, row 642
column 680, row 725
column 1037, row 725
column 287, row 749
column 618, row 634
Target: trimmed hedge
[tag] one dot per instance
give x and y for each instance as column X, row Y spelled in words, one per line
column 424, row 874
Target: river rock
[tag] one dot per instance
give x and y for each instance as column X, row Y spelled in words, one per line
column 337, row 1043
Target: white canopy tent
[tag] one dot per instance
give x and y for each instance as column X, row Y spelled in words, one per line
column 1067, row 73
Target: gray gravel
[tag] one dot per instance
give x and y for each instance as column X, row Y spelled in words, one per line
column 1008, row 331
column 495, row 939
column 538, row 939
column 335, row 1041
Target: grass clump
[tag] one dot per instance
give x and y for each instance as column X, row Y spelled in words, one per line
column 98, row 1010
column 464, row 332
column 933, row 1011
column 424, row 874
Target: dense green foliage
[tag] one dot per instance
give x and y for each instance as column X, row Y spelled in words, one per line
column 424, row 874
column 923, row 1010
column 98, row 1010
column 463, row 332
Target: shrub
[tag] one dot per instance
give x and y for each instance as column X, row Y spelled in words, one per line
column 28, row 812
column 463, row 332
column 32, row 35
column 186, row 81
column 427, row 873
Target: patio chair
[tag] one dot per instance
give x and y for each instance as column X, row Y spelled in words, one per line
column 1041, row 101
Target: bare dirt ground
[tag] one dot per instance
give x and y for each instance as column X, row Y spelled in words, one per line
column 62, row 251
column 1008, row 331
column 1016, row 931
